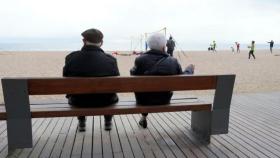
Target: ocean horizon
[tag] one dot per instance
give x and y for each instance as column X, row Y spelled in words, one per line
column 63, row 45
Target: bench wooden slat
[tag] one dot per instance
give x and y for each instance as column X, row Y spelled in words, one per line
column 64, row 110
column 47, row 86
column 116, row 110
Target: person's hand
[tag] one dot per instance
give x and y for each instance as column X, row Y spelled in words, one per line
column 190, row 69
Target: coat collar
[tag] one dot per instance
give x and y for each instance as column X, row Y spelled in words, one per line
column 157, row 52
column 91, row 48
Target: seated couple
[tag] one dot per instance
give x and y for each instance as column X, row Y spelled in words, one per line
column 92, row 61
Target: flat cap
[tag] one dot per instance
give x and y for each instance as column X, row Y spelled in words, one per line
column 93, row 35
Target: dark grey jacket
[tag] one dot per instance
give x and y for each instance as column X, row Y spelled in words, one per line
column 91, row 61
column 155, row 62
column 170, row 44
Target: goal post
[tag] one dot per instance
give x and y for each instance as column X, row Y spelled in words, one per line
column 139, row 43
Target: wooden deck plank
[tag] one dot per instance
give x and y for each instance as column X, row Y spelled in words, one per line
column 149, row 139
column 78, row 144
column 185, row 148
column 181, row 135
column 254, row 131
column 43, row 139
column 271, row 116
column 210, row 150
column 126, row 148
column 61, row 138
column 87, row 144
column 68, row 146
column 246, row 144
column 106, row 141
column 47, row 150
column 44, row 125
column 264, row 141
column 135, row 146
column 159, row 140
column 245, row 122
column 258, row 118
column 230, row 146
column 97, row 147
column 146, row 149
column 165, row 137
column 115, row 140
column 4, row 152
column 258, row 124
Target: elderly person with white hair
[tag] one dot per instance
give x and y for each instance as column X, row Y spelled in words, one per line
column 156, row 62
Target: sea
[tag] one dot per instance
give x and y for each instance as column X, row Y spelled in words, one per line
column 71, row 45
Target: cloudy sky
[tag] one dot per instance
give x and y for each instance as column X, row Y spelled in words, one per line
column 189, row 21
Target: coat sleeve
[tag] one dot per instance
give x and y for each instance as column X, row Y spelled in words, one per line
column 66, row 67
column 117, row 72
column 135, row 70
column 179, row 68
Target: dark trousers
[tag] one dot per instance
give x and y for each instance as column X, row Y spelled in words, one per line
column 170, row 52
column 108, row 118
column 251, row 53
column 145, row 114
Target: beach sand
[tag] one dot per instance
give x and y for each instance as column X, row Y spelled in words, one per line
column 260, row 75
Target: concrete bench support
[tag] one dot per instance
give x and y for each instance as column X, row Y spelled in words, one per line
column 19, row 127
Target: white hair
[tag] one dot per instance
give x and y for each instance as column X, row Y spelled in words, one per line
column 156, row 41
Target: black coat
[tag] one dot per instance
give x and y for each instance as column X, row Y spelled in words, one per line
column 155, row 62
column 91, row 61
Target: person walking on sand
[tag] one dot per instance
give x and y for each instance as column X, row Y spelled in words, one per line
column 252, row 50
column 232, row 49
column 170, row 46
column 237, row 47
column 214, row 46
column 271, row 44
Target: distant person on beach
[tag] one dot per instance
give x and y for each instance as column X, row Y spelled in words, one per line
column 252, row 49
column 170, row 46
column 210, row 48
column 214, row 46
column 232, row 49
column 156, row 62
column 91, row 61
column 271, row 44
column 146, row 46
column 237, row 47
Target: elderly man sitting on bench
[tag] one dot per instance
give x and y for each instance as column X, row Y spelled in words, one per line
column 91, row 61
column 156, row 62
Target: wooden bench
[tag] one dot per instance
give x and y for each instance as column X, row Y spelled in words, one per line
column 206, row 119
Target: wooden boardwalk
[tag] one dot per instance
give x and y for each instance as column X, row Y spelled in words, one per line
column 254, row 131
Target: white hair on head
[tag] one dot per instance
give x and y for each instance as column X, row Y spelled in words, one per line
column 157, row 41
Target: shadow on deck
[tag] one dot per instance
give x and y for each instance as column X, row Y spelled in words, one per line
column 254, row 131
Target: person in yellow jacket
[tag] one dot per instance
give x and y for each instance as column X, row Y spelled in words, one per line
column 252, row 49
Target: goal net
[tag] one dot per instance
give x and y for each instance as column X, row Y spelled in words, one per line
column 139, row 43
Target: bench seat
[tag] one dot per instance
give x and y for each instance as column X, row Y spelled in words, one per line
column 123, row 107
column 206, row 118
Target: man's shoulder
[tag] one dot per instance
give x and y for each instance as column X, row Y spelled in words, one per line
column 72, row 54
column 110, row 56
column 143, row 56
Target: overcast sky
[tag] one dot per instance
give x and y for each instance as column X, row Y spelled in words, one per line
column 189, row 21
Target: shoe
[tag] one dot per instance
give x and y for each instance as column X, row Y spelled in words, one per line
column 82, row 126
column 143, row 123
column 108, row 126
